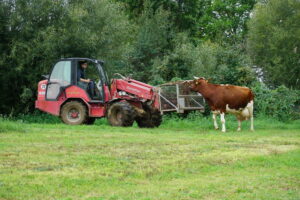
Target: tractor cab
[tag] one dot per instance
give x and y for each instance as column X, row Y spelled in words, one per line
column 66, row 72
column 63, row 93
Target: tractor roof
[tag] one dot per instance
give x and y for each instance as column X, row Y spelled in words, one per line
column 84, row 59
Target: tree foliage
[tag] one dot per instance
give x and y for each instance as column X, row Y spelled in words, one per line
column 211, row 60
column 37, row 33
column 274, row 41
column 216, row 20
column 278, row 103
column 154, row 32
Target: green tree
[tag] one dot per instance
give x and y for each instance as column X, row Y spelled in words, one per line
column 274, row 41
column 24, row 20
column 154, row 33
column 207, row 59
column 37, row 33
column 216, row 20
column 224, row 20
column 5, row 72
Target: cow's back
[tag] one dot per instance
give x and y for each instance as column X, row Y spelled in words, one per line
column 235, row 97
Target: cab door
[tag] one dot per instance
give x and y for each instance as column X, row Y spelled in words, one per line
column 59, row 79
column 92, row 72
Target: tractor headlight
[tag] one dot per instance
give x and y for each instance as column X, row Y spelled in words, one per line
column 122, row 93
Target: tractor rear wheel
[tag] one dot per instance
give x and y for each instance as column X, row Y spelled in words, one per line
column 74, row 113
column 121, row 114
column 151, row 119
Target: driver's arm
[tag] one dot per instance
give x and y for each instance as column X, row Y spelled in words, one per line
column 85, row 80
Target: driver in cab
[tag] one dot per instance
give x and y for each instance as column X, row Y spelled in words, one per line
column 84, row 83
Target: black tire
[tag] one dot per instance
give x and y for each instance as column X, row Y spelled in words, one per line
column 151, row 119
column 90, row 121
column 74, row 113
column 156, row 117
column 121, row 114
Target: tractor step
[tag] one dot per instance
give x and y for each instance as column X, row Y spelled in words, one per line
column 96, row 101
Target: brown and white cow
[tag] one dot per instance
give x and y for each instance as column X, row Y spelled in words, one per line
column 226, row 99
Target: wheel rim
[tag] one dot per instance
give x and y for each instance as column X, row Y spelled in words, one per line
column 73, row 115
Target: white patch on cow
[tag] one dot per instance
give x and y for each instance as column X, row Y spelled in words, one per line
column 242, row 113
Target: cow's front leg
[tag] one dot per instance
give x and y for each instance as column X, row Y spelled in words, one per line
column 214, row 116
column 223, row 122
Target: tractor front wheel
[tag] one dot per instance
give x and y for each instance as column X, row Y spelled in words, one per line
column 121, row 114
column 151, row 119
column 74, row 113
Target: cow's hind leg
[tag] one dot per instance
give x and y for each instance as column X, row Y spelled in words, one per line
column 239, row 125
column 252, row 126
column 214, row 116
column 250, row 109
column 223, row 122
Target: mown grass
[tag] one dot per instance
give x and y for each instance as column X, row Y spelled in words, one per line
column 182, row 159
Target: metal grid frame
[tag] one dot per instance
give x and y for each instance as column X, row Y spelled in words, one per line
column 177, row 101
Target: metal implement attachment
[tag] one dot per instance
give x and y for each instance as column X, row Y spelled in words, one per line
column 178, row 97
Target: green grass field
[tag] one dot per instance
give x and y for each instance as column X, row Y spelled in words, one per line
column 182, row 159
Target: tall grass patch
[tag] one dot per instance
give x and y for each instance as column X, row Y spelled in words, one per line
column 9, row 126
column 197, row 121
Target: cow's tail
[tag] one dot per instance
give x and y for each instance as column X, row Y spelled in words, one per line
column 251, row 95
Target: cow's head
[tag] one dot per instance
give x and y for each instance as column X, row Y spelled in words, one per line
column 197, row 84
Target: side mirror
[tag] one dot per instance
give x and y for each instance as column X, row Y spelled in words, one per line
column 45, row 76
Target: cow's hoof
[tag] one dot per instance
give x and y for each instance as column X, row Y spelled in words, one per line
column 217, row 128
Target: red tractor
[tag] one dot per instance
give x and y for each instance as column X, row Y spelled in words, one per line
column 122, row 101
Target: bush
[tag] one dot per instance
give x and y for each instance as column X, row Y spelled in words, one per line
column 278, row 103
column 36, row 117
